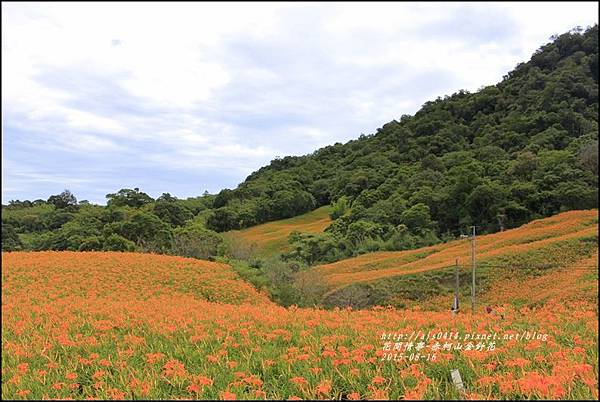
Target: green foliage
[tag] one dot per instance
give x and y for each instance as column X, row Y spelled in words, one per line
column 91, row 243
column 280, row 278
column 131, row 221
column 222, row 219
column 114, row 242
column 257, row 204
column 197, row 205
column 417, row 218
column 288, row 203
column 312, row 248
column 146, row 230
column 197, row 242
column 524, row 148
column 55, row 219
column 10, row 238
column 168, row 210
column 65, row 200
column 73, row 234
column 133, row 198
column 339, row 208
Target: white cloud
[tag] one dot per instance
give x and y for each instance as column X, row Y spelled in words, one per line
column 209, row 87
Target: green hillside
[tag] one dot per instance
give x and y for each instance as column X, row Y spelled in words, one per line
column 509, row 153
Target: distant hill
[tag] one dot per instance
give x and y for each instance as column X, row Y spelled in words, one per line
column 512, row 152
column 271, row 238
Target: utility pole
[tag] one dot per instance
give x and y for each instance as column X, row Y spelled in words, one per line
column 474, row 264
column 455, row 304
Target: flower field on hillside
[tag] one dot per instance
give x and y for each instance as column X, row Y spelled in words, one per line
column 535, row 235
column 272, row 237
column 119, row 325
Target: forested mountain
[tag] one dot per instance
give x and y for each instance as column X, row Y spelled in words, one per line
column 522, row 149
column 511, row 152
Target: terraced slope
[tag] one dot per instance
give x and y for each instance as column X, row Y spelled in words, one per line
column 576, row 281
column 271, row 238
column 540, row 242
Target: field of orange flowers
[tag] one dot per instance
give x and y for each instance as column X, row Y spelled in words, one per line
column 535, row 235
column 272, row 237
column 129, row 326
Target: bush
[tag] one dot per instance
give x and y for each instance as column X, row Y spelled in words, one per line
column 196, row 242
column 92, row 243
column 339, row 208
column 114, row 242
column 309, row 287
column 10, row 238
column 281, row 281
column 238, row 248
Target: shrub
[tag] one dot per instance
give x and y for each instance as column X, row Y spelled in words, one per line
column 10, row 239
column 196, row 242
column 114, row 242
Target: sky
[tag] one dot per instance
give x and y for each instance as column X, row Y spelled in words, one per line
column 191, row 97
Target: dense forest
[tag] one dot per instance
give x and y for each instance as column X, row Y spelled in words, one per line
column 512, row 152
column 509, row 153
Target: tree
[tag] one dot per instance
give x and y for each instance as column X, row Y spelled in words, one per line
column 169, row 211
column 10, row 238
column 223, row 198
column 484, row 203
column 417, row 218
column 362, row 230
column 55, row 219
column 166, row 197
column 146, row 229
column 575, row 196
column 92, row 243
column 15, row 204
column 589, row 157
column 222, row 219
column 74, row 233
column 339, row 208
column 321, row 190
column 127, row 197
column 197, row 242
column 32, row 223
column 64, row 200
column 432, row 162
column 114, row 242
column 288, row 203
